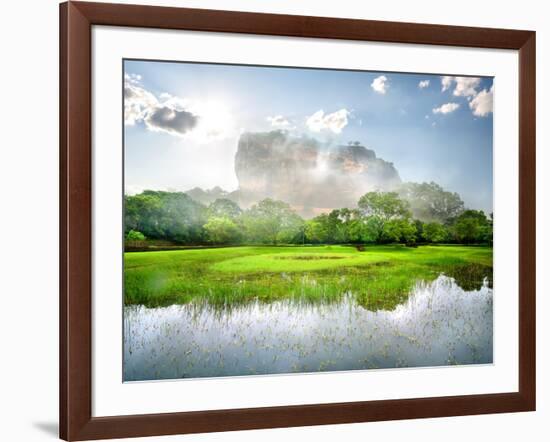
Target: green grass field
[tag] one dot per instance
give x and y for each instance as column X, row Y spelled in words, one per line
column 380, row 277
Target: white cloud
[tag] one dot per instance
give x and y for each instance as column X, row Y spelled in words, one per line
column 446, row 108
column 423, row 84
column 380, row 84
column 482, row 103
column 203, row 121
column 280, row 122
column 464, row 86
column 137, row 102
column 446, row 82
column 334, row 122
column 132, row 78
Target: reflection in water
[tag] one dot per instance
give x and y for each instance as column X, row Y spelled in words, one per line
column 471, row 276
column 439, row 324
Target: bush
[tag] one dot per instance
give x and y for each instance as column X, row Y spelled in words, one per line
column 135, row 235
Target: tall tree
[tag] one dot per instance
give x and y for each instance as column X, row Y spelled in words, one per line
column 272, row 222
column 380, row 208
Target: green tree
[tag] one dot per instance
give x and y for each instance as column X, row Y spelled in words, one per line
column 316, row 230
column 340, row 226
column 359, row 232
column 221, row 230
column 434, row 232
column 142, row 212
column 348, row 225
column 399, row 230
column 337, row 226
column 380, row 208
column 471, row 226
column 419, row 228
column 353, row 226
column 173, row 216
column 272, row 222
column 327, row 228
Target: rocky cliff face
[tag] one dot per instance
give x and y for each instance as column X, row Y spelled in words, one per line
column 312, row 177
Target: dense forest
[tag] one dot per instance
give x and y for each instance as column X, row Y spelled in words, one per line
column 415, row 213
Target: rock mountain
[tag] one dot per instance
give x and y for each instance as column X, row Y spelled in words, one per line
column 312, row 177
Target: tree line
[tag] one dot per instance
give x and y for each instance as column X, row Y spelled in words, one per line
column 418, row 213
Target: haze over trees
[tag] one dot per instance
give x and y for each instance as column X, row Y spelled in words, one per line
column 430, row 202
column 416, row 213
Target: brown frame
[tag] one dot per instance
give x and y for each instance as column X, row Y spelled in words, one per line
column 76, row 421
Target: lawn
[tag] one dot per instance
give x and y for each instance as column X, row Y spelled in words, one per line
column 380, row 277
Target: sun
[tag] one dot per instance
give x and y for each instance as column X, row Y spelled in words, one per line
column 216, row 120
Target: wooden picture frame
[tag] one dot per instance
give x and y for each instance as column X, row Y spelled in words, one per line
column 76, row 21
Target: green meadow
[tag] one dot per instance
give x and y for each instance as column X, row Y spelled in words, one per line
column 379, row 277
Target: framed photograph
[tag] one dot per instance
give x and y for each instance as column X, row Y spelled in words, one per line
column 274, row 220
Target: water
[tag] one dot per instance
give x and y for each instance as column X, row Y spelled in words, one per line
column 439, row 324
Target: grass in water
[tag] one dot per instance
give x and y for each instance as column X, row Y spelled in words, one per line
column 380, row 277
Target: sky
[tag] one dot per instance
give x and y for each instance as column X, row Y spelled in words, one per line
column 183, row 121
